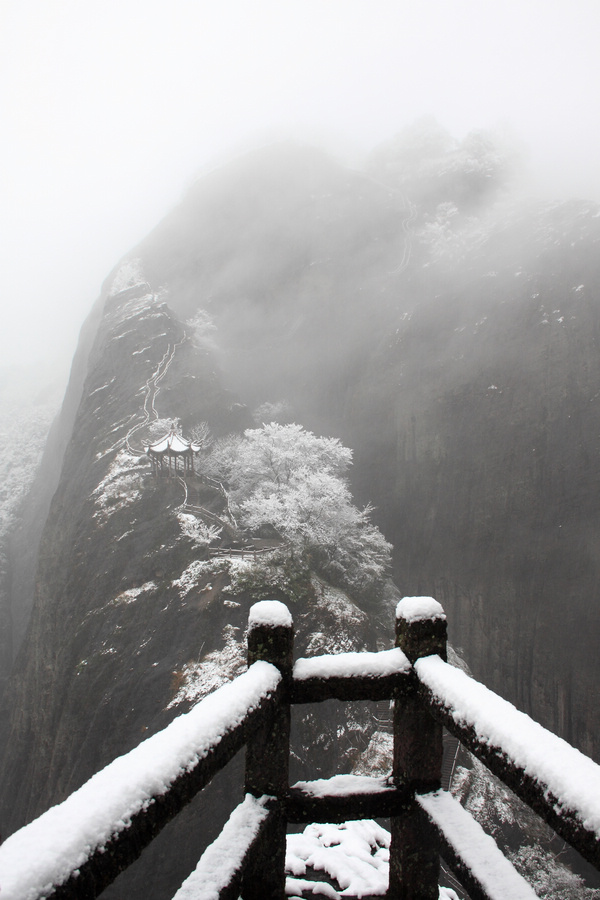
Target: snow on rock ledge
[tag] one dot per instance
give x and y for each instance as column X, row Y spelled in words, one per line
column 413, row 609
column 271, row 613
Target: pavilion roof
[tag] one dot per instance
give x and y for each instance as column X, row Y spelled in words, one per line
column 172, row 444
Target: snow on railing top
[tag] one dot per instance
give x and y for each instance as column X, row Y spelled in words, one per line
column 341, row 785
column 67, row 843
column 572, row 778
column 270, row 612
column 47, row 851
column 224, row 857
column 488, row 865
column 352, row 665
column 416, row 608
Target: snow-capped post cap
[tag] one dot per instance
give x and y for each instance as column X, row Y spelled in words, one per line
column 414, row 608
column 270, row 613
column 421, row 628
column 271, row 635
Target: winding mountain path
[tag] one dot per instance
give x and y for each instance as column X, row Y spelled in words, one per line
column 407, row 229
column 407, row 221
column 151, row 390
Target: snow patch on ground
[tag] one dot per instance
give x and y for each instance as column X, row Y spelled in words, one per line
column 344, row 610
column 354, row 854
column 102, row 387
column 133, row 593
column 192, row 575
column 120, row 487
column 237, row 566
column 201, row 678
column 24, row 425
column 376, row 760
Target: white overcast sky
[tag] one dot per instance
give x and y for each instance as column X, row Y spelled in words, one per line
column 109, row 108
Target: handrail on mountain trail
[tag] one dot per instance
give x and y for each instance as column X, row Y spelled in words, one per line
column 78, row 847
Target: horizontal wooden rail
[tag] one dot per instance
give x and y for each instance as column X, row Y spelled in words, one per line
column 221, row 868
column 232, row 551
column 350, row 676
column 81, row 845
column 471, row 853
column 346, row 797
column 557, row 781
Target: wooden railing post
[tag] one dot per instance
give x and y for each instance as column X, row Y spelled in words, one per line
column 270, row 638
column 414, row 851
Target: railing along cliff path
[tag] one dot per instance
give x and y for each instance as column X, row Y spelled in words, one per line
column 78, row 847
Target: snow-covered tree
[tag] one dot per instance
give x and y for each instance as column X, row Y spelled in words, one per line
column 267, row 459
column 290, row 478
column 201, row 435
column 202, row 330
column 431, row 168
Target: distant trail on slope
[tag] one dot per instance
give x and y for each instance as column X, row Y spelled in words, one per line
column 406, row 222
column 183, row 483
column 167, row 360
column 406, row 228
column 151, row 389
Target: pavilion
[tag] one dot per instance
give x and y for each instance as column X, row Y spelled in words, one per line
column 166, row 453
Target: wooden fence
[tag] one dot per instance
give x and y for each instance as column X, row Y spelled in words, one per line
column 77, row 848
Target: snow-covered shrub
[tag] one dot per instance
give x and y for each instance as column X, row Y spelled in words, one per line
column 194, row 528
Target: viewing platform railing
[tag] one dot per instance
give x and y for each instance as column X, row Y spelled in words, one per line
column 80, row 846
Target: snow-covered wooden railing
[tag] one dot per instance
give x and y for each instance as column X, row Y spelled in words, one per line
column 77, row 848
column 242, row 552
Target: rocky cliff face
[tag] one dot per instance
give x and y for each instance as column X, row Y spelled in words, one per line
column 29, row 399
column 454, row 348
